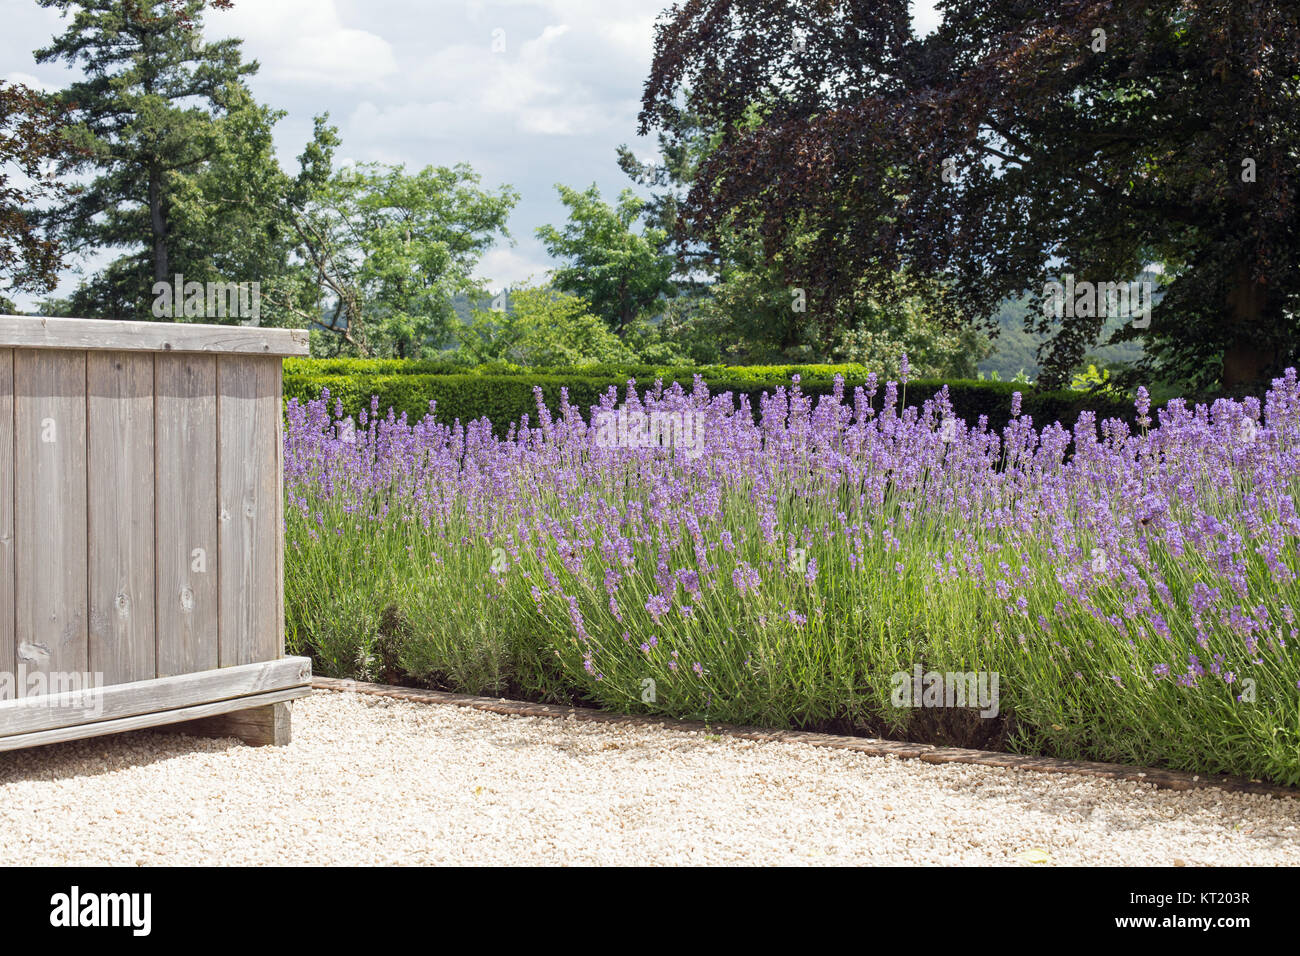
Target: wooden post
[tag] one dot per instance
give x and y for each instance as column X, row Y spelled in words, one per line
column 257, row 726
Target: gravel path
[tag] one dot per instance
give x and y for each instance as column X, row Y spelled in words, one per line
column 375, row 781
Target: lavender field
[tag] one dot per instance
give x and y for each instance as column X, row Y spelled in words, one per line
column 1133, row 592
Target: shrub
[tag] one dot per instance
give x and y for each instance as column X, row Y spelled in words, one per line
column 504, row 394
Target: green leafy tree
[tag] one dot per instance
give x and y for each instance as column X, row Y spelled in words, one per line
column 234, row 215
column 684, row 142
column 621, row 272
column 745, row 300
column 54, row 306
column 390, row 250
column 733, row 303
column 878, row 337
column 757, row 317
column 542, row 326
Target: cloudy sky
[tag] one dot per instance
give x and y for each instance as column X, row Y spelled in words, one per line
column 529, row 92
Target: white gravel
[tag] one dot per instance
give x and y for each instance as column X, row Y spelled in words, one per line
column 370, row 780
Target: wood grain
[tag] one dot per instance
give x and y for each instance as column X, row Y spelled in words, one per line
column 92, row 703
column 153, row 719
column 268, row 725
column 248, row 488
column 8, row 656
column 93, row 334
column 50, row 521
column 141, row 529
column 120, row 514
column 185, row 410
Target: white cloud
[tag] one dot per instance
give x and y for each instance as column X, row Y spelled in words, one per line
column 633, row 38
column 528, row 89
column 506, row 266
column 26, row 79
column 305, row 42
column 416, row 82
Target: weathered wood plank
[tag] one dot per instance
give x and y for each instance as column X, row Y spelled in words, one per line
column 8, row 655
column 50, row 523
column 279, row 514
column 269, row 725
column 95, row 704
column 248, row 486
column 143, row 721
column 185, row 410
column 121, row 515
column 89, row 334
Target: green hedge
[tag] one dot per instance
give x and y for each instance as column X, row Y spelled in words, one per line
column 504, row 396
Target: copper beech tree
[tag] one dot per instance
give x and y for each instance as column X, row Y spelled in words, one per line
column 1019, row 142
column 31, row 143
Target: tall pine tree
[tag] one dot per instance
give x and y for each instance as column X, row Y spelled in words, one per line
column 154, row 111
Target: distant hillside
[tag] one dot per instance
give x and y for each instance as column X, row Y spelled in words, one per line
column 1016, row 349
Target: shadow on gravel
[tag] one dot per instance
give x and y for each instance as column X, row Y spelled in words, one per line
column 95, row 756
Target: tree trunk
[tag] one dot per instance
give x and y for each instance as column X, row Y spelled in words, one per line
column 624, row 315
column 161, row 265
column 1244, row 361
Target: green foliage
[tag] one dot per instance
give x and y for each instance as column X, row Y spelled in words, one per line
column 752, row 315
column 185, row 179
column 365, row 366
column 1020, row 378
column 879, row 334
column 684, row 144
column 154, row 108
column 752, row 310
column 621, row 273
column 747, row 301
column 228, row 215
column 504, row 395
column 1015, row 142
column 662, row 342
column 1015, row 348
column 392, row 249
column 1091, row 379
column 539, row 327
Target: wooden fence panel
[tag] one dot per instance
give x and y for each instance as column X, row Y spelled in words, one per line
column 249, row 512
column 50, row 523
column 141, row 530
column 8, row 655
column 120, row 435
column 186, row 452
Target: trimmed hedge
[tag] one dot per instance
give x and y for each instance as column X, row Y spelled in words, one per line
column 505, row 396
